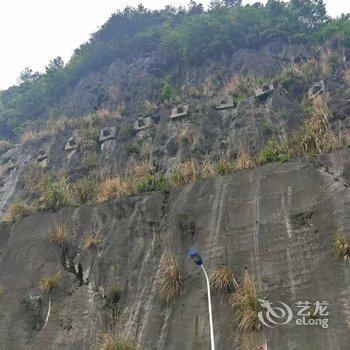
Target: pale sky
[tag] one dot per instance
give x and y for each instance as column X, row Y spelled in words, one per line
column 32, row 32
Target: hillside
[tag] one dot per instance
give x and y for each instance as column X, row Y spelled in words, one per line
column 224, row 129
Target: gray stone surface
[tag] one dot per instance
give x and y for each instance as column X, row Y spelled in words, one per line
column 276, row 221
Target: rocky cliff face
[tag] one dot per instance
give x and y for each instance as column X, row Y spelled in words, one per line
column 276, row 221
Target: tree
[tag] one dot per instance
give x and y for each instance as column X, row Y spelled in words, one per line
column 55, row 64
column 27, row 75
column 225, row 3
column 310, row 13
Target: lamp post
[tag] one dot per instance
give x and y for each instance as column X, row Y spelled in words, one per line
column 198, row 260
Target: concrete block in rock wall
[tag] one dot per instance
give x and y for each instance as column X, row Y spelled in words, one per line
column 224, row 102
column 109, row 133
column 264, row 91
column 317, row 89
column 142, row 124
column 71, row 146
column 179, row 111
column 42, row 159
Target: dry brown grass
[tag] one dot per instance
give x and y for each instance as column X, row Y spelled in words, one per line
column 49, row 283
column 251, row 341
column 242, row 86
column 92, row 241
column 316, row 136
column 347, row 75
column 111, row 188
column 59, row 233
column 184, row 174
column 245, row 301
column 244, row 160
column 341, row 247
column 222, row 280
column 185, row 135
column 2, row 291
column 113, row 341
column 137, row 170
column 209, row 87
column 5, row 145
column 17, row 210
column 170, row 281
column 51, row 128
column 207, row 168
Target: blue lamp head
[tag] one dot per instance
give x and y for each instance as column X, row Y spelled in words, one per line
column 196, row 257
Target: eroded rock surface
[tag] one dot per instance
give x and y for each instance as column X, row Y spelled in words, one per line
column 276, row 221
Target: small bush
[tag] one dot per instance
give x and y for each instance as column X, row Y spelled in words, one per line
column 152, row 183
column 127, row 132
column 170, row 283
column 83, row 191
column 59, row 233
column 17, row 210
column 166, row 93
column 222, row 281
column 113, row 188
column 275, row 151
column 111, row 341
column 90, row 161
column 49, row 283
column 92, row 241
column 54, row 195
column 224, row 167
column 341, row 247
column 244, row 161
column 184, row 174
column 245, row 300
column 112, row 297
column 242, row 86
column 134, row 147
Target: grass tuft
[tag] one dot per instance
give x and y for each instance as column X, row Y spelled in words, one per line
column 245, row 300
column 112, row 341
column 49, row 283
column 222, row 280
column 92, row 241
column 59, row 233
column 17, row 210
column 184, row 174
column 170, row 283
column 341, row 247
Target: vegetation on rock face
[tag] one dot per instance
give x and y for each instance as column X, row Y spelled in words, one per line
column 245, row 301
column 47, row 285
column 222, row 280
column 170, row 280
column 341, row 247
column 192, row 35
column 59, row 233
column 17, row 211
column 112, row 341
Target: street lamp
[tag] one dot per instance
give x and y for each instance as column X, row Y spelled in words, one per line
column 198, row 260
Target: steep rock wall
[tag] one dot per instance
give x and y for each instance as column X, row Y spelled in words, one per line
column 276, row 221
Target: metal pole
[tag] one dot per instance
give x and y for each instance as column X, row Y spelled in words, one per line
column 210, row 312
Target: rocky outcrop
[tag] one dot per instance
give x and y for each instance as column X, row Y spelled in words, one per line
column 276, row 221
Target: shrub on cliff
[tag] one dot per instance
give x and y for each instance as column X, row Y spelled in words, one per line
column 54, row 195
column 152, row 183
column 245, row 301
column 170, row 279
column 17, row 211
column 113, row 341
